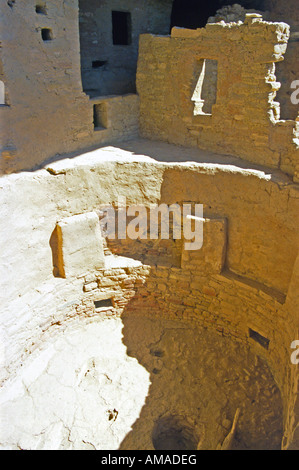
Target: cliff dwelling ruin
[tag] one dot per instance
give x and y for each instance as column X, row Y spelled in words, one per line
column 117, row 117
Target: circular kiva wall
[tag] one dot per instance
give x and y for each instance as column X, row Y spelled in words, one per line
column 240, row 287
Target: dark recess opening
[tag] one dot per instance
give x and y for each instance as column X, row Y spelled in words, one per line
column 194, row 14
column 47, row 34
column 173, row 433
column 103, row 303
column 96, row 64
column 100, row 120
column 41, row 10
column 264, row 342
column 121, row 28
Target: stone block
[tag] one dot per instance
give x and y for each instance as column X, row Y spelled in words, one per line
column 80, row 244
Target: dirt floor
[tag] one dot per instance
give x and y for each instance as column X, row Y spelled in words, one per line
column 198, row 381
column 139, row 383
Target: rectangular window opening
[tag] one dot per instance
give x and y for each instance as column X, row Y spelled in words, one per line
column 100, row 116
column 121, row 28
column 205, row 91
column 264, row 342
column 105, row 303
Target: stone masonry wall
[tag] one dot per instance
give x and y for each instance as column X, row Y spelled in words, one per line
column 218, row 301
column 245, row 118
column 43, row 81
column 47, row 114
column 117, row 74
column 286, row 71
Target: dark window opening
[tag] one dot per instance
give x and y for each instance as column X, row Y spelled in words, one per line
column 121, row 28
column 41, row 9
column 47, row 34
column 264, row 342
column 103, row 303
column 194, row 14
column 96, row 64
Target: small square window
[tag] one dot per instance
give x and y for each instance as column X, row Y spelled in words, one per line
column 41, row 9
column 121, row 28
column 47, row 34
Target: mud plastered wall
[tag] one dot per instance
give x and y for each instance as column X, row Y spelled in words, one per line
column 244, row 120
column 253, row 286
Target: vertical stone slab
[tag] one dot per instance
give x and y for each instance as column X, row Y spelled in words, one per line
column 80, row 244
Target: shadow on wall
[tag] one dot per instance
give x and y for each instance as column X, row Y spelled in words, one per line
column 199, row 378
column 193, row 14
column 109, row 33
column 287, row 73
column 54, row 245
column 198, row 381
